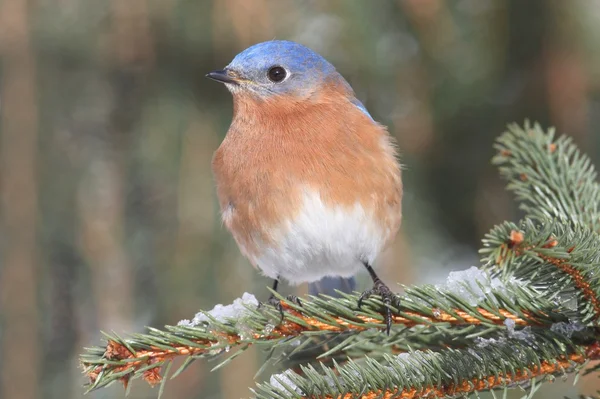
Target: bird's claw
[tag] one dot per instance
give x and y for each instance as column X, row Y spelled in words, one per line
column 388, row 298
column 276, row 303
column 295, row 299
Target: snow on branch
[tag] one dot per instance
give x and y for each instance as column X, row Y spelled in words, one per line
column 528, row 314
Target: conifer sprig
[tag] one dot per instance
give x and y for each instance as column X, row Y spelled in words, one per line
column 143, row 355
column 444, row 374
column 529, row 314
column 555, row 257
column 550, row 177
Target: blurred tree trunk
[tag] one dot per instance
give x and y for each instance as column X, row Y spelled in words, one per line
column 103, row 196
column 18, row 283
column 567, row 80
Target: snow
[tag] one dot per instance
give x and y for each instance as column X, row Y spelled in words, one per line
column 510, row 325
column 567, row 329
column 269, row 328
column 277, row 381
column 222, row 313
column 570, row 302
column 472, row 284
column 523, row 334
column 484, row 342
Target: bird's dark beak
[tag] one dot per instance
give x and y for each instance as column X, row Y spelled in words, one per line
column 223, row 76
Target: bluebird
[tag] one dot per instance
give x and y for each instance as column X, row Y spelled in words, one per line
column 308, row 182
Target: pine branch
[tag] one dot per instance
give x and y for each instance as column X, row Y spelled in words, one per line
column 559, row 258
column 529, row 314
column 426, row 306
column 442, row 374
column 551, row 178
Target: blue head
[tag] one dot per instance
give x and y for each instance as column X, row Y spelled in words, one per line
column 277, row 68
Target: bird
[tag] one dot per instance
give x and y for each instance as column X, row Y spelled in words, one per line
column 308, row 183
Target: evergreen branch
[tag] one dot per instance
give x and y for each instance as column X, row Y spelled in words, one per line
column 557, row 258
column 426, row 306
column 444, row 374
column 550, row 178
column 541, row 278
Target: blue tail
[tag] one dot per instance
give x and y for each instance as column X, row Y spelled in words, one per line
column 328, row 285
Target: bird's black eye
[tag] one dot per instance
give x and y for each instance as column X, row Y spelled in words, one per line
column 276, row 74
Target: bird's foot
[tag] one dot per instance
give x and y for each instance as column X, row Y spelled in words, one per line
column 276, row 303
column 388, row 297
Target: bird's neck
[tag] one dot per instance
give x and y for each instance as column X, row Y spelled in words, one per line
column 280, row 110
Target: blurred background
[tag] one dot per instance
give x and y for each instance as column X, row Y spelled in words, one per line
column 109, row 219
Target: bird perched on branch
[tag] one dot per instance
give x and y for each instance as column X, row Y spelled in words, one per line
column 308, row 182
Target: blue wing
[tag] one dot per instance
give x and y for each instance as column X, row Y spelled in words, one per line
column 360, row 106
column 329, row 285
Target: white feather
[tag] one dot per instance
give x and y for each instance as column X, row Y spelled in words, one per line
column 322, row 241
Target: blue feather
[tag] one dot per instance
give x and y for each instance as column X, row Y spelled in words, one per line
column 329, row 285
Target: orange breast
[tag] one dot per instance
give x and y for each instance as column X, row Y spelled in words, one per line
column 275, row 150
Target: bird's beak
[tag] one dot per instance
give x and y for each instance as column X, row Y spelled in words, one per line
column 223, row 76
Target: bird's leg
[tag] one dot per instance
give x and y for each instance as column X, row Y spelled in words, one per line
column 272, row 299
column 276, row 303
column 388, row 297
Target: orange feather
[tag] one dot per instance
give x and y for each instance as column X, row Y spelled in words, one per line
column 278, row 147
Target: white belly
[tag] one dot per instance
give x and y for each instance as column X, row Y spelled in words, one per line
column 322, row 241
